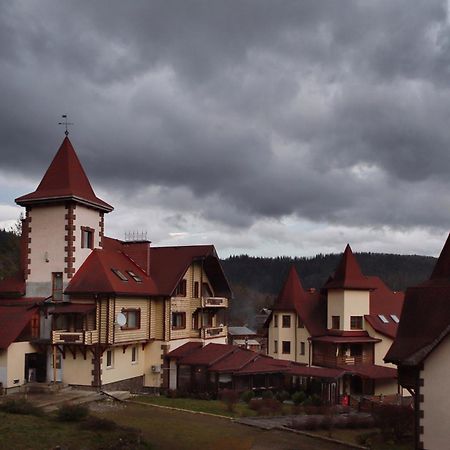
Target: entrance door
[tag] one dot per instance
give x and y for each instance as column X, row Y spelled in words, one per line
column 35, row 367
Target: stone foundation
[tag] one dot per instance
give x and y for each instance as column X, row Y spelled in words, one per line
column 135, row 384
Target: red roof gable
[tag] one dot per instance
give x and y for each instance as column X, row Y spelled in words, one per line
column 13, row 319
column 96, row 276
column 208, row 355
column 235, row 361
column 348, row 274
column 65, row 179
column 169, row 264
column 309, row 305
column 425, row 318
column 184, row 350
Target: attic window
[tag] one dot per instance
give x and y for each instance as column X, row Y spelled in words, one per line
column 383, row 318
column 395, row 318
column 135, row 277
column 119, row 274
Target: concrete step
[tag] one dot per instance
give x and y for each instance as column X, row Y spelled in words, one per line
column 118, row 395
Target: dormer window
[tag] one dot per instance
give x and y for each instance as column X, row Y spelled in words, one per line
column 119, row 274
column 395, row 318
column 383, row 318
column 135, row 277
column 87, row 237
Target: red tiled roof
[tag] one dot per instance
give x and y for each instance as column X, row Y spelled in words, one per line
column 265, row 364
column 208, row 355
column 12, row 285
column 234, row 361
column 21, row 301
column 95, row 276
column 65, row 179
column 291, row 293
column 348, row 274
column 317, row 372
column 372, row 371
column 184, row 350
column 169, row 264
column 386, row 302
column 425, row 318
column 13, row 319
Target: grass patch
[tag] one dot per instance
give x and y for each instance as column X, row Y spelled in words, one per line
column 218, row 407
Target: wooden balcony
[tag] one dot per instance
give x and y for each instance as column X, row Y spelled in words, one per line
column 75, row 337
column 339, row 361
column 214, row 302
column 213, row 332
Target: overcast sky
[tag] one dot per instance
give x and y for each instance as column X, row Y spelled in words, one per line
column 263, row 127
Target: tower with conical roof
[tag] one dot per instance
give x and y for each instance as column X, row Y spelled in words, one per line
column 64, row 222
column 348, row 295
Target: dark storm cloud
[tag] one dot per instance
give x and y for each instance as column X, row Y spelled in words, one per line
column 332, row 111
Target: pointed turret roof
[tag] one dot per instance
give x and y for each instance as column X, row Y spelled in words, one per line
column 442, row 268
column 348, row 274
column 292, row 292
column 65, row 179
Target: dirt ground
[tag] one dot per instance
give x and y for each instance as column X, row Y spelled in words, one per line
column 174, row 430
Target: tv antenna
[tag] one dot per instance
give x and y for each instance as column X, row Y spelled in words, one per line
column 65, row 123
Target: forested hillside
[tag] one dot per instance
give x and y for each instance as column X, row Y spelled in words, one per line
column 9, row 253
column 256, row 281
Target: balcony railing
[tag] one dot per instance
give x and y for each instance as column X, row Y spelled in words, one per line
column 75, row 337
column 215, row 302
column 330, row 361
column 213, row 332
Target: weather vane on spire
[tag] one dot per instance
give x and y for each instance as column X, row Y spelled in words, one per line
column 65, row 123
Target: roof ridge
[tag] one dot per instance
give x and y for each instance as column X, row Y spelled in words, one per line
column 442, row 268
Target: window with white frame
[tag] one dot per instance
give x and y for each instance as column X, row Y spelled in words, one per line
column 109, row 359
column 134, row 354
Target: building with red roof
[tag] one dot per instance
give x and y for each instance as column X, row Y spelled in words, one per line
column 102, row 312
column 421, row 352
column 349, row 325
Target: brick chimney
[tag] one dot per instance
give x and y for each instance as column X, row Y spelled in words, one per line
column 139, row 252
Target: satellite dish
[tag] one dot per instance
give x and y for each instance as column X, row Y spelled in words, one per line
column 121, row 319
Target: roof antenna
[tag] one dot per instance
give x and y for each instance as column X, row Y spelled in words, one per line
column 65, row 123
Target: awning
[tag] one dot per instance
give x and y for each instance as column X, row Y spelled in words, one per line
column 345, row 339
column 72, row 308
column 317, row 372
column 372, row 371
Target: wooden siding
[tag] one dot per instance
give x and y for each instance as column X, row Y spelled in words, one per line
column 124, row 335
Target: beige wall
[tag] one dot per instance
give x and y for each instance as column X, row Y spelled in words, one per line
column 47, row 238
column 3, row 367
column 294, row 335
column 15, row 362
column 85, row 217
column 77, row 371
column 347, row 303
column 153, row 357
column 436, row 398
column 122, row 367
column 382, row 347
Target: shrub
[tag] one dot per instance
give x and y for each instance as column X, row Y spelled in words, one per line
column 395, row 421
column 230, row 398
column 316, row 400
column 255, row 404
column 98, row 424
column 298, row 397
column 267, row 394
column 247, row 396
column 271, row 405
column 281, row 396
column 72, row 413
column 20, row 406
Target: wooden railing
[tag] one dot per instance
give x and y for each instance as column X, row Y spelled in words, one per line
column 75, row 337
column 215, row 302
column 213, row 332
column 330, row 361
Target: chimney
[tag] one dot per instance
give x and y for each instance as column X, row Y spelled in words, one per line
column 139, row 252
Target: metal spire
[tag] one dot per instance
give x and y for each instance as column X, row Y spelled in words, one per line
column 65, row 123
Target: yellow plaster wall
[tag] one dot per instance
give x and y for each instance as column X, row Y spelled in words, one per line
column 281, row 334
column 436, row 398
column 356, row 303
column 335, row 299
column 123, row 368
column 85, row 217
column 15, row 362
column 47, row 235
column 382, row 347
column 77, row 371
column 153, row 354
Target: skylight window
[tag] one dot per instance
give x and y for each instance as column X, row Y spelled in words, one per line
column 395, row 318
column 135, row 277
column 119, row 274
column 383, row 318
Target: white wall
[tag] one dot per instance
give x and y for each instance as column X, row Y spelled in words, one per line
column 436, row 396
column 15, row 362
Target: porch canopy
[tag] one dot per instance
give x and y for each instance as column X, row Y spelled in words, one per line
column 372, row 371
column 72, row 308
column 317, row 372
